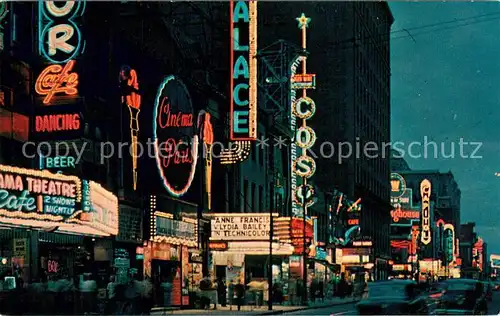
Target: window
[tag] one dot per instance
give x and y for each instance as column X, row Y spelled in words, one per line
column 253, row 198
column 261, row 199
column 245, row 195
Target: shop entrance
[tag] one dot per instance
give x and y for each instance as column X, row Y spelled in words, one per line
column 220, row 272
column 166, row 278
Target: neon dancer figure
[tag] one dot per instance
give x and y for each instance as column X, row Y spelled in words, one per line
column 131, row 97
column 207, row 136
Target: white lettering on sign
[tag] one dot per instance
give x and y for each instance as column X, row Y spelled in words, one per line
column 425, row 193
column 244, row 227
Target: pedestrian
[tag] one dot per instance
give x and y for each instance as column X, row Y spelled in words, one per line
column 88, row 291
column 147, row 296
column 221, row 291
column 111, row 294
column 240, row 294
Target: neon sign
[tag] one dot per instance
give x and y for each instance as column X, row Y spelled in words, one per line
column 41, row 199
column 132, row 99
column 449, row 242
column 207, row 136
column 243, row 81
column 57, row 162
column 60, row 39
column 56, row 79
column 176, row 144
column 57, row 123
column 302, row 108
column 37, row 195
column 399, row 214
column 52, row 266
column 425, row 193
column 303, row 81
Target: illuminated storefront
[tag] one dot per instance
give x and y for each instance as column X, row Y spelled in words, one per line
column 241, row 240
column 172, row 246
column 35, row 205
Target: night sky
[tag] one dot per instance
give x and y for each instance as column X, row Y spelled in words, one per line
column 445, row 85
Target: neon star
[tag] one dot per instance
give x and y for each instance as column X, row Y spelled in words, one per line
column 303, row 21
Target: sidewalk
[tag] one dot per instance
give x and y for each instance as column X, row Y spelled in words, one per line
column 252, row 310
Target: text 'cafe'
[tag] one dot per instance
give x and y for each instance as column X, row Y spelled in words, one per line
column 48, row 218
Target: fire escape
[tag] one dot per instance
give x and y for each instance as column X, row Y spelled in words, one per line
column 274, row 98
column 199, row 31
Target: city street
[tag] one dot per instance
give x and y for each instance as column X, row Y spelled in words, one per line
column 344, row 309
column 350, row 309
column 494, row 305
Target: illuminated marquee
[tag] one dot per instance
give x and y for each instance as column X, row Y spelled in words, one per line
column 241, row 227
column 41, row 199
column 163, row 227
column 243, row 81
column 176, row 144
column 425, row 193
column 132, row 99
column 303, row 108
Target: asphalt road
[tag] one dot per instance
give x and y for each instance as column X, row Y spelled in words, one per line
column 494, row 305
column 344, row 309
column 350, row 309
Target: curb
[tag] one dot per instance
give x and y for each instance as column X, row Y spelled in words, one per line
column 308, row 307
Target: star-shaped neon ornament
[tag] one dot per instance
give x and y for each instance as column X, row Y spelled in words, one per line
column 303, row 21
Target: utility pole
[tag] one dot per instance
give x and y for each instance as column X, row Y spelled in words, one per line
column 304, row 253
column 271, row 232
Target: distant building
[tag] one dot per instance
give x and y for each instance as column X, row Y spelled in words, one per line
column 467, row 239
column 445, row 196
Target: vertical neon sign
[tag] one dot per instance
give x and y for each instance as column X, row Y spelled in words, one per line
column 302, row 108
column 59, row 42
column 243, row 81
column 132, row 99
column 425, row 194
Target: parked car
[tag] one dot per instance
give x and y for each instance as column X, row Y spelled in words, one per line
column 463, row 297
column 393, row 297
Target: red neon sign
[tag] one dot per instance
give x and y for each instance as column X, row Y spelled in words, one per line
column 52, row 266
column 57, row 122
column 402, row 214
column 55, row 79
column 353, row 222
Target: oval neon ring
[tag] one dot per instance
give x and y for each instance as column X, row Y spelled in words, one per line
column 194, row 149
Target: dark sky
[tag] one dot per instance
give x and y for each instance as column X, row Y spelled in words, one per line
column 446, row 86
